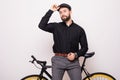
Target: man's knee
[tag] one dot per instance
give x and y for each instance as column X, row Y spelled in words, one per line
column 75, row 74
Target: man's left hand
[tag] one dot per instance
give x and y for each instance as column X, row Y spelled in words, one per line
column 71, row 56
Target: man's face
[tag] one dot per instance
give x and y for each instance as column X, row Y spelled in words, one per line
column 65, row 14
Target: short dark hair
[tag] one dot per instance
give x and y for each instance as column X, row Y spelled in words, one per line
column 64, row 5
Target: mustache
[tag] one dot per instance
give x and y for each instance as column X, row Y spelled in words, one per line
column 64, row 16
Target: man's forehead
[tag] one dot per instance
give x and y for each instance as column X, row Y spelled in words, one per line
column 63, row 8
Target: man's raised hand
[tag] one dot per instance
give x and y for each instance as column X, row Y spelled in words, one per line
column 54, row 7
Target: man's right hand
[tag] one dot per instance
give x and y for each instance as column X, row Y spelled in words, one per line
column 54, row 7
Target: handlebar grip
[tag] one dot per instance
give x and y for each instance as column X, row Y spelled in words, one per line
column 33, row 57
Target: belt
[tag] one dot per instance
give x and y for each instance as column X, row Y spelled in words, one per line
column 61, row 54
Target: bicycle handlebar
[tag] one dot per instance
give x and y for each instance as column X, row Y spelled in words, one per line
column 42, row 63
column 33, row 57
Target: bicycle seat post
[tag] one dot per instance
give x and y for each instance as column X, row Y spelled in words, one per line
column 87, row 55
column 83, row 64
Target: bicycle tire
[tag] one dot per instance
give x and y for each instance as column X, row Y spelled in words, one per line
column 34, row 77
column 100, row 76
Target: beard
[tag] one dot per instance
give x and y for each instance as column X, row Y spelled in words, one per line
column 65, row 18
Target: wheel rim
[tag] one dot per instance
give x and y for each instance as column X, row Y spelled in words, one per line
column 34, row 78
column 100, row 76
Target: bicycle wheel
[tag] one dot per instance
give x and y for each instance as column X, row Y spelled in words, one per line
column 34, row 77
column 99, row 76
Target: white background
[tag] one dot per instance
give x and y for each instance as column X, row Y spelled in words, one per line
column 20, row 36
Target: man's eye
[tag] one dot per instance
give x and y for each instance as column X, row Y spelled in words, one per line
column 64, row 10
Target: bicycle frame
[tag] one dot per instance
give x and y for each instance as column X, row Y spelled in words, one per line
column 44, row 66
column 89, row 76
column 44, row 71
column 84, row 69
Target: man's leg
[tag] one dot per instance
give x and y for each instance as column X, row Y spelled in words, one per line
column 57, row 68
column 74, row 71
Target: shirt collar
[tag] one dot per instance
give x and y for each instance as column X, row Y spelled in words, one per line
column 70, row 24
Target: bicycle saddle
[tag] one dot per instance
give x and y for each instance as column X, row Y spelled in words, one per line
column 88, row 55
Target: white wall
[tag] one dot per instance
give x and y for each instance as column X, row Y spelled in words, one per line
column 20, row 36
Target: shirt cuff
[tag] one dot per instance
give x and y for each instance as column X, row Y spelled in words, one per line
column 76, row 55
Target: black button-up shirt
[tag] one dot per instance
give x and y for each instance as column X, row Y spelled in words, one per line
column 66, row 39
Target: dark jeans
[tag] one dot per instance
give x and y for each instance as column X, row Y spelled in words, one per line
column 61, row 64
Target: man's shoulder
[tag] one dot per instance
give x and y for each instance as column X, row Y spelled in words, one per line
column 78, row 26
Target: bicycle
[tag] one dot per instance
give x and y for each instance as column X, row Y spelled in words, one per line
column 89, row 76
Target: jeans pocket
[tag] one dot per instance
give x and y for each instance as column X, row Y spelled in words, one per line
column 52, row 59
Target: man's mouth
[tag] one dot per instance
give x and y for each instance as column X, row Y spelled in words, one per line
column 64, row 17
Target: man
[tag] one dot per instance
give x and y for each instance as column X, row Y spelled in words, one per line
column 67, row 35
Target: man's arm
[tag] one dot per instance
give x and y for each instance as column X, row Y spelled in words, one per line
column 44, row 21
column 84, row 45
